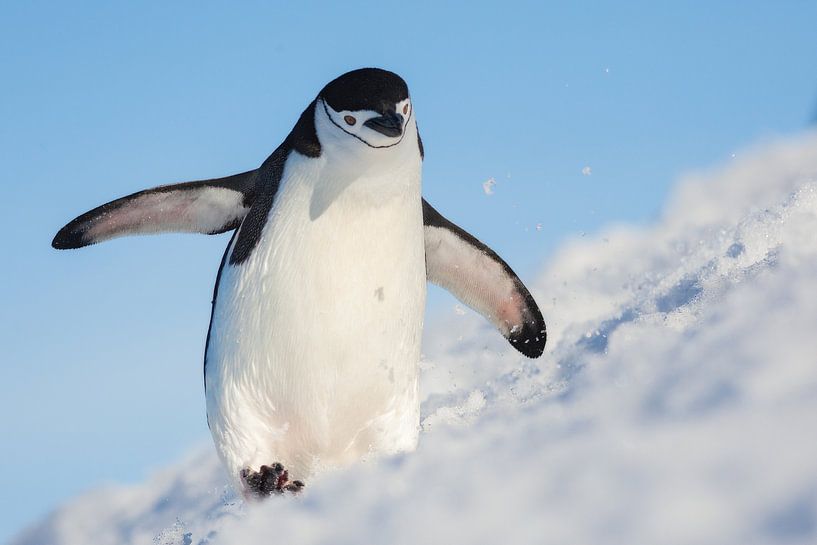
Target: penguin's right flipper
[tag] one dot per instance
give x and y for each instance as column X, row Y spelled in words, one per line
column 477, row 276
column 209, row 206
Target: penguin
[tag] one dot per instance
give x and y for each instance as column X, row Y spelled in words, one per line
column 311, row 357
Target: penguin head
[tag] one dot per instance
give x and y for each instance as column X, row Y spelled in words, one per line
column 365, row 108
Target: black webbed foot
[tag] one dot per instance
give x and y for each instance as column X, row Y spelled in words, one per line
column 269, row 480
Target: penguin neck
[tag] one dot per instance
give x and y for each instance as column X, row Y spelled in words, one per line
column 347, row 169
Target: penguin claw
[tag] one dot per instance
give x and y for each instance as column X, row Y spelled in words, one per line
column 269, row 481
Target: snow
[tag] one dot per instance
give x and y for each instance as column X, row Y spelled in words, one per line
column 488, row 186
column 676, row 402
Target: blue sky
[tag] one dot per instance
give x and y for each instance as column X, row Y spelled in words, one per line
column 102, row 347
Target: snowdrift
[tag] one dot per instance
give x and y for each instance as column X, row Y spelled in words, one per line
column 676, row 402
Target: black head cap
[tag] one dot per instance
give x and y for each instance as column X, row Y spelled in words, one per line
column 365, row 89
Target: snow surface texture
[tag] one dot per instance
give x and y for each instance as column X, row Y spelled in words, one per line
column 676, row 403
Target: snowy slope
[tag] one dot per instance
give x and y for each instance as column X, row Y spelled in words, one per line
column 677, row 402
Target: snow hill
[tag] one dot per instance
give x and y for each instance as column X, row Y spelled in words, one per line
column 676, row 403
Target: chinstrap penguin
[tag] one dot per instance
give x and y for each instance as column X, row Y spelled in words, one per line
column 311, row 358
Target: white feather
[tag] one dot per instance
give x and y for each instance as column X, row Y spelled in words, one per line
column 315, row 340
column 474, row 277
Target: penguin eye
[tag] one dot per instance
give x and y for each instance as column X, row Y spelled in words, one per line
column 350, row 120
column 405, row 109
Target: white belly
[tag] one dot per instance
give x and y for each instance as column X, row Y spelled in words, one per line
column 315, row 340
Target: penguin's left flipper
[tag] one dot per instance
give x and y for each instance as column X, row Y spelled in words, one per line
column 208, row 206
column 477, row 276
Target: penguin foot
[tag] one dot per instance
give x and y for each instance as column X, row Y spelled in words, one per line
column 269, row 481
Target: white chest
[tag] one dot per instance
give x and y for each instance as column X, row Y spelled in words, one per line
column 316, row 337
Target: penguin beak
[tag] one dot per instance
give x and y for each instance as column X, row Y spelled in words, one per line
column 390, row 124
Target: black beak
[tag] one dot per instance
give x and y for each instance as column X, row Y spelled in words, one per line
column 390, row 124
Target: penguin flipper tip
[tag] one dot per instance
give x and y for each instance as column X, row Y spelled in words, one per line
column 69, row 238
